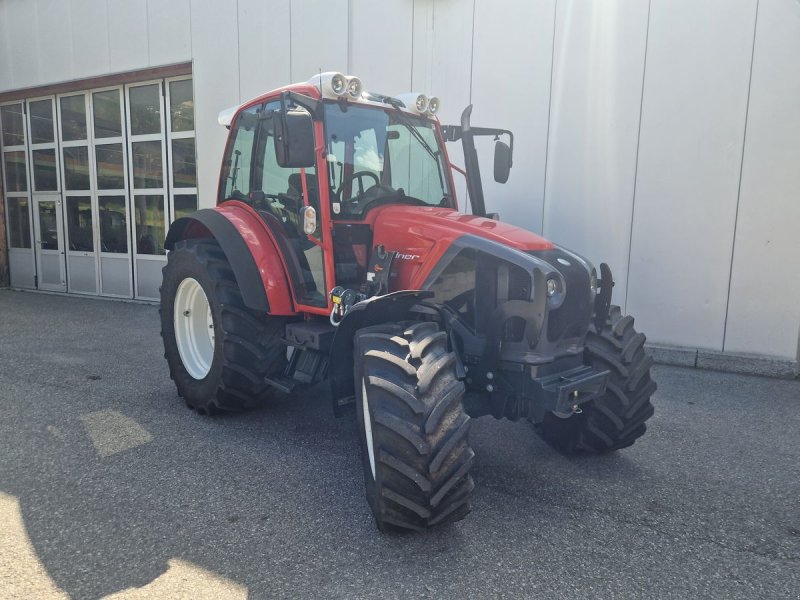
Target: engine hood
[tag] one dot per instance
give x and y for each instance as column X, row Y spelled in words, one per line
column 421, row 236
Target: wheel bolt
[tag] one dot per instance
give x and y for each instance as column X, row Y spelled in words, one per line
column 490, row 388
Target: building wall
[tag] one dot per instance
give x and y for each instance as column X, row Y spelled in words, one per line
column 660, row 136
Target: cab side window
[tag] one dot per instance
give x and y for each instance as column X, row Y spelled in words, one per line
column 236, row 172
column 283, row 188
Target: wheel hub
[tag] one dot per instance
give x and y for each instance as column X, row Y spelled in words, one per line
column 194, row 328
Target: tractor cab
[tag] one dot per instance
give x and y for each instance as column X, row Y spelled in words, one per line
column 318, row 161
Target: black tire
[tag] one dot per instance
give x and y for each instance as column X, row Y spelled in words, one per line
column 616, row 419
column 247, row 344
column 419, row 428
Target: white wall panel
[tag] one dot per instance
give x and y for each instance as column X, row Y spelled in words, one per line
column 512, row 57
column 442, row 60
column 319, row 37
column 23, row 56
column 594, row 124
column 693, row 114
column 216, row 87
column 764, row 309
column 442, row 64
column 6, row 81
column 380, row 44
column 169, row 35
column 127, row 35
column 89, row 38
column 264, row 46
column 54, row 41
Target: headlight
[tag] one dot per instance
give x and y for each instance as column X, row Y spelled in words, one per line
column 421, row 103
column 433, row 105
column 553, row 287
column 593, row 281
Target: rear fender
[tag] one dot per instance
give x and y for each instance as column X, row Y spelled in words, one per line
column 390, row 308
column 250, row 251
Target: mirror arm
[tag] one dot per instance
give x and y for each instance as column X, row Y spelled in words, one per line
column 310, row 104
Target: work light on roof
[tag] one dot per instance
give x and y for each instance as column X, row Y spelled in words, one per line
column 420, row 103
column 331, row 83
column 354, row 86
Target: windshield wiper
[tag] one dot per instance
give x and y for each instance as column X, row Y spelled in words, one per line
column 405, row 121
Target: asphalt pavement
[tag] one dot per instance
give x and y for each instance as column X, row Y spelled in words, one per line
column 110, row 485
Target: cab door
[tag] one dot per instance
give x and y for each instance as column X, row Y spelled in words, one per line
column 251, row 174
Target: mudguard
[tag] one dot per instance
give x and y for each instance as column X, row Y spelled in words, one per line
column 390, row 308
column 249, row 248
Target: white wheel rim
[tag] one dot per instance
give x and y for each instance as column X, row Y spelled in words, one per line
column 194, row 328
column 367, row 427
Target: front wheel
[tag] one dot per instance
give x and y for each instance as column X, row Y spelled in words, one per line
column 413, row 427
column 617, row 418
column 218, row 350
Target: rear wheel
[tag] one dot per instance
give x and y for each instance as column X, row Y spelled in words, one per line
column 616, row 419
column 218, row 350
column 415, row 451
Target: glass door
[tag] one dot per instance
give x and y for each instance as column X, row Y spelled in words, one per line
column 147, row 151
column 49, row 236
column 111, row 192
column 13, row 134
column 77, row 185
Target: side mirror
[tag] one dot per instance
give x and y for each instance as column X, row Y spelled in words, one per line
column 294, row 138
column 502, row 161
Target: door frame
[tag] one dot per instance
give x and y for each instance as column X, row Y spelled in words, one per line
column 38, row 199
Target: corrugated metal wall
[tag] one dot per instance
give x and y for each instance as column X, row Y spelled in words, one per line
column 662, row 136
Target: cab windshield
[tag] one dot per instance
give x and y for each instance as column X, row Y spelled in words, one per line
column 381, row 156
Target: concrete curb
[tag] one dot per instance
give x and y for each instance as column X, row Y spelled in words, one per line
column 713, row 360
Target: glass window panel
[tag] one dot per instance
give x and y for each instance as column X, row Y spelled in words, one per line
column 236, row 164
column 148, row 170
column 181, row 105
column 19, row 223
column 73, row 118
column 107, row 116
column 48, row 225
column 16, row 180
column 110, row 174
column 145, row 107
column 185, row 204
column 79, row 223
column 76, row 168
column 113, row 224
column 45, row 177
column 13, row 125
column 41, row 114
column 149, row 215
column 184, row 169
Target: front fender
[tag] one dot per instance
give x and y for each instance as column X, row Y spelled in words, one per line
column 390, row 308
column 252, row 254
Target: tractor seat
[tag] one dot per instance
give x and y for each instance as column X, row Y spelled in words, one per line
column 296, row 189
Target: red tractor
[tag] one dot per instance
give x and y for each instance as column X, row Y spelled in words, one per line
column 337, row 252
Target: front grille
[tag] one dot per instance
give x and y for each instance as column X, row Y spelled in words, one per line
column 571, row 319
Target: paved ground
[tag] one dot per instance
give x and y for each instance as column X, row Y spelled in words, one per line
column 109, row 485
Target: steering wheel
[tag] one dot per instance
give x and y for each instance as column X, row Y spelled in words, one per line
column 358, row 175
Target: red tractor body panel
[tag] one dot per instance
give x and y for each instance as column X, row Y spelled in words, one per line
column 421, row 236
column 262, row 246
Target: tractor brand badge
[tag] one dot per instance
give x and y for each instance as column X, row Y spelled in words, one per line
column 402, row 256
column 337, row 208
column 564, row 262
